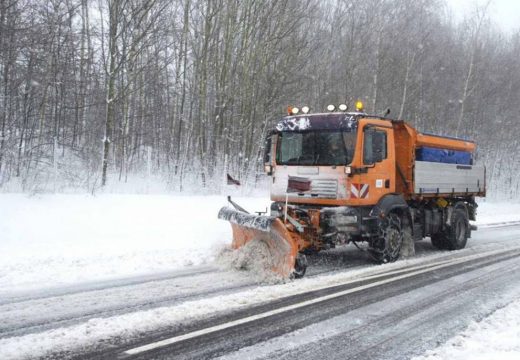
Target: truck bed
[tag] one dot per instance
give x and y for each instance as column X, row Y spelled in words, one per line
column 440, row 178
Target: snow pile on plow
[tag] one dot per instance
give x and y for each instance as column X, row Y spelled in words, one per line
column 279, row 251
column 254, row 258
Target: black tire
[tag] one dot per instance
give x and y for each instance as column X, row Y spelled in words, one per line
column 439, row 241
column 386, row 249
column 300, row 266
column 455, row 236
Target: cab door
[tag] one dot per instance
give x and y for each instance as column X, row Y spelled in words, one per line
column 376, row 176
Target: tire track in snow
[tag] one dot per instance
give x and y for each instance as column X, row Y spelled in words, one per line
column 332, row 262
column 193, row 343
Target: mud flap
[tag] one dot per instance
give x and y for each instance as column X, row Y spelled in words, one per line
column 282, row 247
column 408, row 245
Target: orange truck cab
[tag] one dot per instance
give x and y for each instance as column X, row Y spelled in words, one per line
column 342, row 177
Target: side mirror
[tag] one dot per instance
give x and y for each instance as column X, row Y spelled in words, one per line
column 267, row 149
column 267, row 156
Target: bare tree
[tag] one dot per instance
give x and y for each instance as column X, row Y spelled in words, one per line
column 186, row 89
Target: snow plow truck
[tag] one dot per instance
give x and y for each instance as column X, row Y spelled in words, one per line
column 342, row 177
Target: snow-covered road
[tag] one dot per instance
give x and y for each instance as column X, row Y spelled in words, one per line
column 98, row 316
column 80, row 280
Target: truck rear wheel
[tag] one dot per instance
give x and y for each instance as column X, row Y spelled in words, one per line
column 439, row 241
column 458, row 230
column 387, row 248
column 456, row 234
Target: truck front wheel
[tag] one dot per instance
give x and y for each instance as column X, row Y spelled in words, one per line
column 300, row 267
column 386, row 248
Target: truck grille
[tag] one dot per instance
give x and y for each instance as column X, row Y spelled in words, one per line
column 322, row 188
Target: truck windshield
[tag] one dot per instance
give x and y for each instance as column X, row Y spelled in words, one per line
column 315, row 148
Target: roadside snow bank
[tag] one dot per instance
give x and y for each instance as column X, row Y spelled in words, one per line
column 54, row 240
column 497, row 213
column 495, row 337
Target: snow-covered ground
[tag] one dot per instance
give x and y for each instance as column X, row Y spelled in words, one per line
column 495, row 337
column 489, row 213
column 54, row 240
column 128, row 325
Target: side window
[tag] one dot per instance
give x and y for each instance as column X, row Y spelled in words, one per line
column 374, row 146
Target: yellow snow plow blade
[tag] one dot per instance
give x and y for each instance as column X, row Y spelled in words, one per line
column 283, row 248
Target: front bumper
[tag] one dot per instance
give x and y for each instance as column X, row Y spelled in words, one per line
column 348, row 221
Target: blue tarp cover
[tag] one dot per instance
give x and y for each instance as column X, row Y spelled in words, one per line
column 443, row 156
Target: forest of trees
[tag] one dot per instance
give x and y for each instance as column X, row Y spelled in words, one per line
column 100, row 91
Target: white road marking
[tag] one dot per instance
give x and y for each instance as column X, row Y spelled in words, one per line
column 212, row 329
column 498, row 225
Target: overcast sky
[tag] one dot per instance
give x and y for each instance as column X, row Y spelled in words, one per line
column 505, row 13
